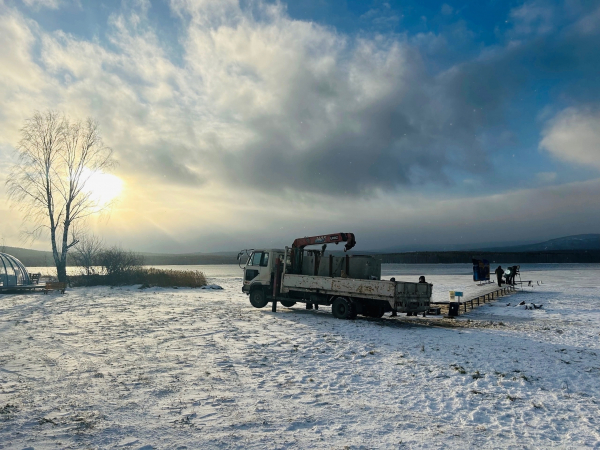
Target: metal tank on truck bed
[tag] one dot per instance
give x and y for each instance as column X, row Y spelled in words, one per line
column 350, row 284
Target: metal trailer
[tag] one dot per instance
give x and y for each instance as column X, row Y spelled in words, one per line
column 267, row 279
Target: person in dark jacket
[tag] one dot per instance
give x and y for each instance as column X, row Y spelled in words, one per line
column 421, row 280
column 394, row 313
column 499, row 273
column 513, row 273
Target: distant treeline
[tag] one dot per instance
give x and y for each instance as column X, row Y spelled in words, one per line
column 31, row 258
column 192, row 260
column 563, row 256
column 36, row 258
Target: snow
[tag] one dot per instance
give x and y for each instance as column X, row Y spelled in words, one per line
column 212, row 286
column 186, row 368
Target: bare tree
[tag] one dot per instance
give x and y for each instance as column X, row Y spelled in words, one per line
column 57, row 158
column 117, row 263
column 87, row 252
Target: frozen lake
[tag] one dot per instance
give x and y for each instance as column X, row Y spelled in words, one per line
column 182, row 368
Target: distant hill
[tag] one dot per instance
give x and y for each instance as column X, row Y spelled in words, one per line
column 37, row 258
column 582, row 248
column 520, row 257
column 31, row 258
column 576, row 242
column 578, row 248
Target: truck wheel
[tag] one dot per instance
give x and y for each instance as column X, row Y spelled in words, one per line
column 257, row 298
column 287, row 303
column 343, row 308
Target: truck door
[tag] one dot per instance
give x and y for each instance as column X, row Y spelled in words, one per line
column 257, row 264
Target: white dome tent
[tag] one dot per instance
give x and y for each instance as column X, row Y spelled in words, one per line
column 12, row 272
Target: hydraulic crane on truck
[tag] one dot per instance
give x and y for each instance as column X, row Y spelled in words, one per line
column 299, row 244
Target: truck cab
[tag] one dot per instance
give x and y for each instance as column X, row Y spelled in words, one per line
column 259, row 269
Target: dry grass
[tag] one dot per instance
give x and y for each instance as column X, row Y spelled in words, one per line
column 146, row 277
column 170, row 278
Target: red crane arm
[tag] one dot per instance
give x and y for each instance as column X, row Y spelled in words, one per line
column 334, row 238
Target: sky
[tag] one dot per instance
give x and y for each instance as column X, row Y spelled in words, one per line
column 236, row 124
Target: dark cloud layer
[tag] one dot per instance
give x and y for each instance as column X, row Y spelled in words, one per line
column 326, row 138
column 276, row 104
column 414, row 130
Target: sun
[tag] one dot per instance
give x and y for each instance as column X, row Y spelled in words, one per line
column 102, row 187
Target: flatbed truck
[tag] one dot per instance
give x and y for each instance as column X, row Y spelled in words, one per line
column 350, row 284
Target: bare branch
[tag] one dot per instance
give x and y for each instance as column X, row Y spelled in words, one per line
column 87, row 252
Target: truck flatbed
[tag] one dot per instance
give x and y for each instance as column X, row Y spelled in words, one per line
column 398, row 294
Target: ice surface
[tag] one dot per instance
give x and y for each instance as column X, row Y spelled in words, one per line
column 165, row 368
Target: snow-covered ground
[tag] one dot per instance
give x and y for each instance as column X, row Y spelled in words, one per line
column 167, row 368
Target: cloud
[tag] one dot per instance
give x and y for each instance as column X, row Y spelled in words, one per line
column 39, row 4
column 546, row 177
column 321, row 112
column 589, row 23
column 260, row 93
column 532, row 17
column 238, row 220
column 141, row 99
column 573, row 135
column 264, row 117
column 382, row 17
column 16, row 43
column 446, row 9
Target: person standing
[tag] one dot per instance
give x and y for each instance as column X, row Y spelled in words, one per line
column 394, row 313
column 513, row 274
column 499, row 273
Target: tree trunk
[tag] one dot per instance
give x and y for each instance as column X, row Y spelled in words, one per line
column 61, row 271
column 61, row 263
column 61, row 266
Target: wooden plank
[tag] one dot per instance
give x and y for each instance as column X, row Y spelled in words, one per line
column 482, row 297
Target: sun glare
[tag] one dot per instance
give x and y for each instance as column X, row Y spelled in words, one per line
column 103, row 187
